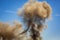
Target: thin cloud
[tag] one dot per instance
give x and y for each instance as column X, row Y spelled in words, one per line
column 9, row 11
column 57, row 15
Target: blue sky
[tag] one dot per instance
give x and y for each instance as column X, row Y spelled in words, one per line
column 8, row 13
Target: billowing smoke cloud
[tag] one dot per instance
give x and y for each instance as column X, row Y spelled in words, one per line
column 41, row 9
column 35, row 14
column 8, row 32
column 36, row 11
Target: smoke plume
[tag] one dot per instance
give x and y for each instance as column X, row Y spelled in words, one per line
column 35, row 14
column 10, row 32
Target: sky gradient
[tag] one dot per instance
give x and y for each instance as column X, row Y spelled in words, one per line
column 9, row 9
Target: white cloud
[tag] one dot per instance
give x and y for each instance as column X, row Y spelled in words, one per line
column 57, row 15
column 9, row 11
column 55, row 38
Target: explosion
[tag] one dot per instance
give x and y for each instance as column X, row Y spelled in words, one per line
column 36, row 11
column 35, row 14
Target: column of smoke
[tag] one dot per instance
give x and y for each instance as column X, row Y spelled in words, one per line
column 34, row 14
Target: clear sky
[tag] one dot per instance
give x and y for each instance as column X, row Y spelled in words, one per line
column 8, row 13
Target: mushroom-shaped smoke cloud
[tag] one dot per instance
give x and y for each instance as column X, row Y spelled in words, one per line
column 36, row 12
